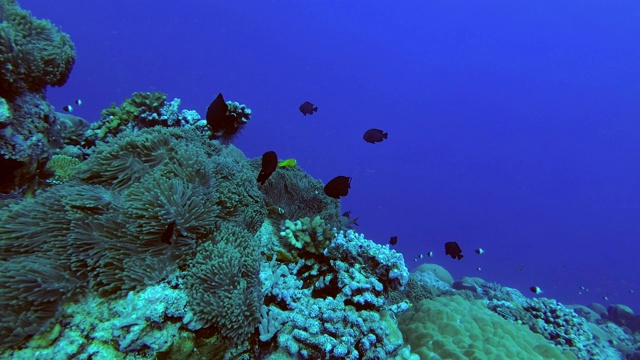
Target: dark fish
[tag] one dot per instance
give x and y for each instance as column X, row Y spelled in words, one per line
column 217, row 113
column 78, row 101
column 374, row 136
column 347, row 222
column 307, row 108
column 393, row 240
column 167, row 235
column 67, row 108
column 225, row 125
column 452, row 249
column 338, row 186
column 269, row 165
column 535, row 290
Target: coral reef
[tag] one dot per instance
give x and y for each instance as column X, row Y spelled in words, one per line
column 297, row 195
column 421, row 285
column 555, row 322
column 146, row 236
column 148, row 207
column 226, row 119
column 146, row 323
column 335, row 305
column 142, row 110
column 109, row 234
column 160, row 242
column 34, row 54
column 564, row 327
column 33, row 287
column 63, row 167
column 309, row 235
column 454, row 328
column 223, row 284
column 238, row 195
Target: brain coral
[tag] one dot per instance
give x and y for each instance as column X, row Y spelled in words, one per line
column 452, row 328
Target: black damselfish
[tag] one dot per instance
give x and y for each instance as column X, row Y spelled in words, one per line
column 269, row 166
column 307, row 108
column 375, row 136
column 393, row 240
column 224, row 126
column 217, row 113
column 338, row 186
column 452, row 249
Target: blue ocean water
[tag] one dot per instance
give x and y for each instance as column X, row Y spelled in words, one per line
column 513, row 126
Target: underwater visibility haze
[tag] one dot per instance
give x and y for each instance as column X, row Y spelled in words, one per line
column 313, row 179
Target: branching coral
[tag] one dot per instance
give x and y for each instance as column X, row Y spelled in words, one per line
column 333, row 303
column 141, row 110
column 562, row 326
column 552, row 320
column 307, row 235
column 64, row 168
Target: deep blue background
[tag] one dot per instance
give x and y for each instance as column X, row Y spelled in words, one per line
column 513, row 126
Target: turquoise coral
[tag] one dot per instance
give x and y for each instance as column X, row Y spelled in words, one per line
column 309, row 235
column 88, row 272
column 140, row 107
column 64, row 168
column 335, row 304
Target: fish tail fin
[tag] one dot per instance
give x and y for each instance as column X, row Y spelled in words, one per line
column 385, row 135
column 460, row 257
column 315, row 108
column 355, row 221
